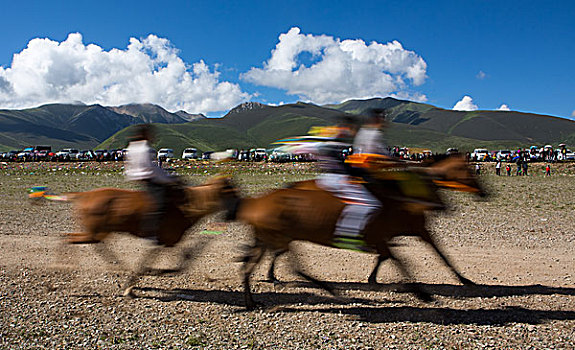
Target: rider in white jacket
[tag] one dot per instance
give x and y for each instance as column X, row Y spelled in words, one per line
column 140, row 167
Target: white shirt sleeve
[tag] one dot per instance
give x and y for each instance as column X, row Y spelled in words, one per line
column 369, row 140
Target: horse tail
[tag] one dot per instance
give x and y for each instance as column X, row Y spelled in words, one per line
column 42, row 192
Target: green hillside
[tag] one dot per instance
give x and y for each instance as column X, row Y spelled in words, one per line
column 413, row 137
column 246, row 126
column 77, row 126
column 253, row 124
column 487, row 127
column 272, row 130
column 256, row 125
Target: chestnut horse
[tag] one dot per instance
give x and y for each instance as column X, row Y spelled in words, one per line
column 107, row 210
column 308, row 213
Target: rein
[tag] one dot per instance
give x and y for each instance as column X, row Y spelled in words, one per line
column 454, row 185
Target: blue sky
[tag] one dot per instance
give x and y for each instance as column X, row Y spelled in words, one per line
column 517, row 53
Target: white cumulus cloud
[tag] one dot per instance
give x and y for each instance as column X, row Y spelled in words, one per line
column 149, row 70
column 465, row 104
column 339, row 69
column 503, row 107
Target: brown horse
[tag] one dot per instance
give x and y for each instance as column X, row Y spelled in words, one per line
column 107, row 210
column 308, row 213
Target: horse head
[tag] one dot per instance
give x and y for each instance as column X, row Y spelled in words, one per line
column 218, row 193
column 454, row 173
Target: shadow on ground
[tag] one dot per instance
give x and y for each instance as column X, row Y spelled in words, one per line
column 451, row 290
column 444, row 316
column 378, row 311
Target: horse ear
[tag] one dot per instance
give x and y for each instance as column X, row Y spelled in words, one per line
column 221, row 176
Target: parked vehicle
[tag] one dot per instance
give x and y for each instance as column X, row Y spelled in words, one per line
column 116, row 155
column 102, row 154
column 232, row 152
column 257, row 154
column 207, row 155
column 25, row 154
column 86, row 155
column 67, row 154
column 480, row 154
column 165, row 154
column 279, row 156
column 10, row 156
column 243, row 155
column 451, row 151
column 504, row 154
column 42, row 153
column 190, row 153
column 568, row 155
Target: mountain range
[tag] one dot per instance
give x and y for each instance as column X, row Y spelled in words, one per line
column 253, row 124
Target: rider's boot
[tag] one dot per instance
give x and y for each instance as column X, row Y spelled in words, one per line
column 348, row 232
column 150, row 226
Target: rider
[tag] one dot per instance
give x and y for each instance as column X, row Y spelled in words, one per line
column 360, row 203
column 141, row 168
column 369, row 138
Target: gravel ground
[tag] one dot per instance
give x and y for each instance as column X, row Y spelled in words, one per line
column 518, row 246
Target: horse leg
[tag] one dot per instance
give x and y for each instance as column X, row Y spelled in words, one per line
column 190, row 254
column 251, row 260
column 88, row 237
column 141, row 269
column 427, row 238
column 321, row 284
column 271, row 272
column 64, row 251
column 415, row 289
column 372, row 279
column 108, row 254
column 80, row 238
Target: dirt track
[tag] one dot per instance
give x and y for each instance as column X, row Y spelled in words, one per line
column 519, row 247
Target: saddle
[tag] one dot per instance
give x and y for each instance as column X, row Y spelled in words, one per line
column 176, row 193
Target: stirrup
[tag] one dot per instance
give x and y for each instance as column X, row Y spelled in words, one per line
column 354, row 244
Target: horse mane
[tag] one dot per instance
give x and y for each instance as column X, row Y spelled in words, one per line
column 301, row 185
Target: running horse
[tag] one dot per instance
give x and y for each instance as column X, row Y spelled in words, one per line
column 305, row 212
column 104, row 211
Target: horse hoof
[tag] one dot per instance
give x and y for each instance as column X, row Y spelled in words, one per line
column 275, row 281
column 278, row 285
column 425, row 297
column 253, row 305
column 129, row 293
